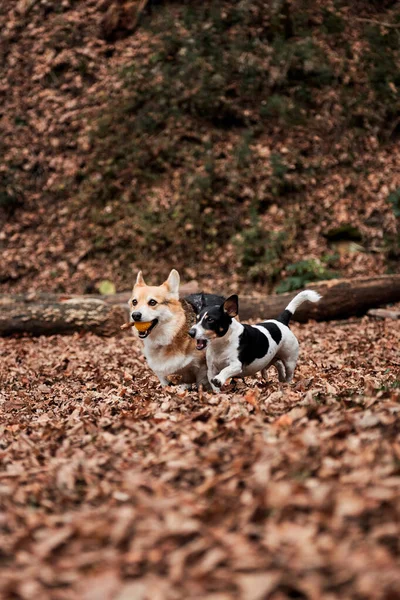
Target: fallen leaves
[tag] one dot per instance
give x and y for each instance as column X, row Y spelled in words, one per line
column 283, row 421
column 112, row 487
column 252, row 397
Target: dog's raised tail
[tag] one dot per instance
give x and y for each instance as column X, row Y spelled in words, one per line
column 294, row 304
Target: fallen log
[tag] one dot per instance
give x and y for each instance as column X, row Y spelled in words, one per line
column 48, row 314
column 51, row 315
column 341, row 298
column 384, row 313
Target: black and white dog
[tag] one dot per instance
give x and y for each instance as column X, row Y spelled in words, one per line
column 234, row 349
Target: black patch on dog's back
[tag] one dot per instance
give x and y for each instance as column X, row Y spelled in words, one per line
column 274, row 331
column 253, row 344
column 285, row 317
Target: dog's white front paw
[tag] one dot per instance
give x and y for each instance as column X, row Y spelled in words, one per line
column 182, row 387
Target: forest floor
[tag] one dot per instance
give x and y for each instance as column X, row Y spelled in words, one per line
column 113, row 488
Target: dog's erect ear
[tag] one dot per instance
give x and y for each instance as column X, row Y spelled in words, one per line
column 139, row 279
column 202, row 301
column 172, row 282
column 231, row 305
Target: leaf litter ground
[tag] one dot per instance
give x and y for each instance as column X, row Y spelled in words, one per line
column 112, row 488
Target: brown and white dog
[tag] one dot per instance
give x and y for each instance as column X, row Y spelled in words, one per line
column 162, row 321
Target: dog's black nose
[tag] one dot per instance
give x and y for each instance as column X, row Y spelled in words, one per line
column 136, row 316
column 192, row 332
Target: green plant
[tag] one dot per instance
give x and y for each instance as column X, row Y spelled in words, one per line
column 333, row 23
column 393, row 239
column 394, row 200
column 381, row 64
column 280, row 184
column 10, row 200
column 279, row 106
column 306, row 271
column 243, row 150
column 260, row 251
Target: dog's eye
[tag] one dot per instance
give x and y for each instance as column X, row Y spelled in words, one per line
column 134, row 302
column 210, row 320
column 152, row 302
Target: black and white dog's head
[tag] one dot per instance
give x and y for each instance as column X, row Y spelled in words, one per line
column 214, row 321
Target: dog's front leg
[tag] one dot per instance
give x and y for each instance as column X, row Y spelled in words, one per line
column 163, row 380
column 231, row 370
column 202, row 377
column 210, row 375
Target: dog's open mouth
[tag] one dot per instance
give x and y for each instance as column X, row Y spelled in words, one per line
column 201, row 344
column 144, row 328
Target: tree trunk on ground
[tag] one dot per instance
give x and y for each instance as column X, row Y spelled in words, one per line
column 48, row 314
column 51, row 315
column 341, row 298
column 384, row 313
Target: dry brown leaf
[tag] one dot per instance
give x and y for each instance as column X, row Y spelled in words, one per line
column 258, row 586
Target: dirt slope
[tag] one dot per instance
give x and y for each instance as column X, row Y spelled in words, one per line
column 227, row 142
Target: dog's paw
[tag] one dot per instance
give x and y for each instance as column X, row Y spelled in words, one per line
column 216, row 382
column 183, row 387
